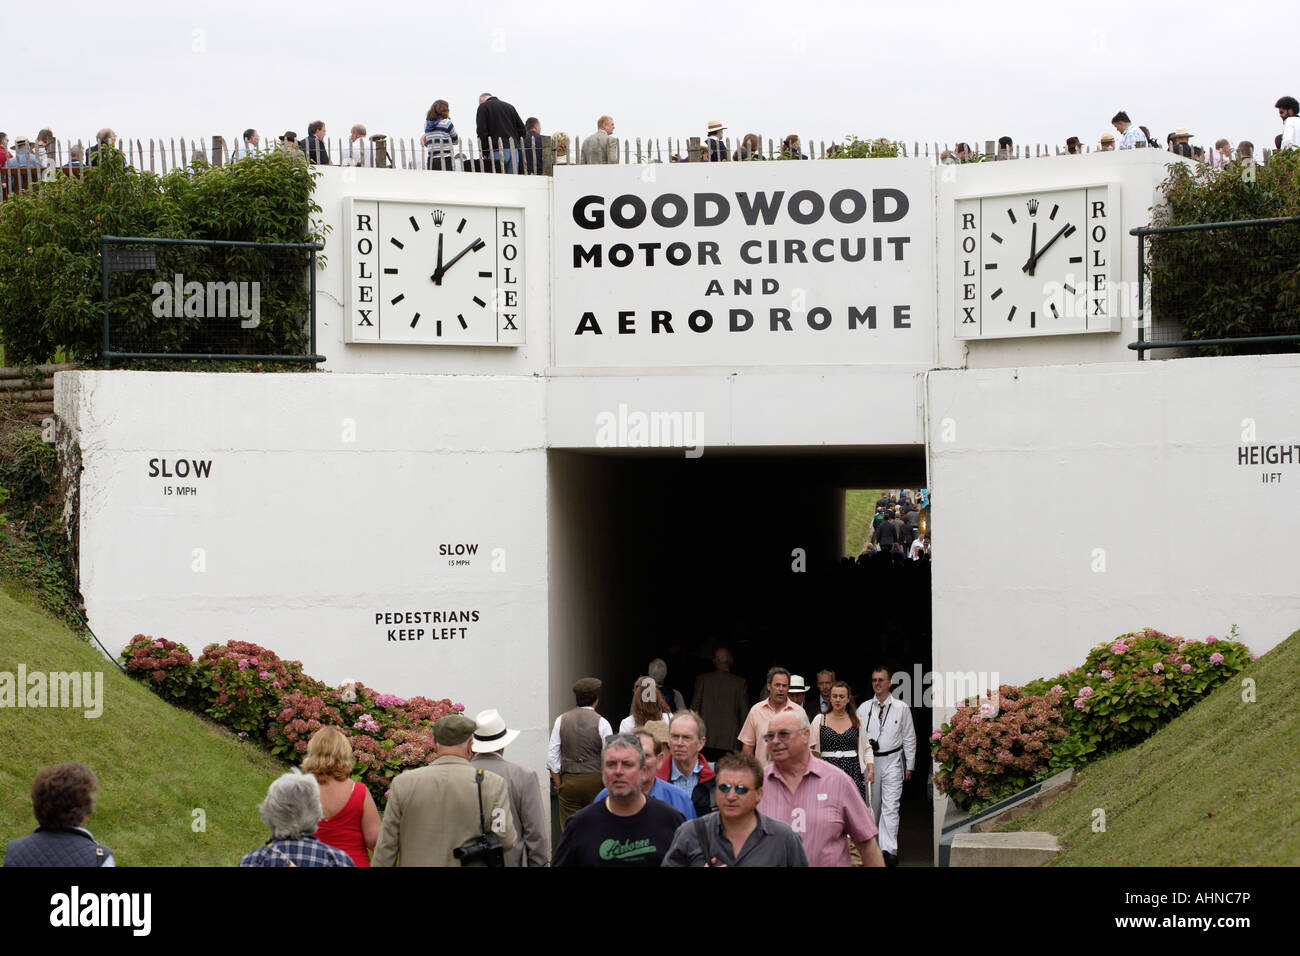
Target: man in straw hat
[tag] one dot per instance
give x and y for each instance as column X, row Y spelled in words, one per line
column 574, row 753
column 717, row 148
column 490, row 742
column 437, row 809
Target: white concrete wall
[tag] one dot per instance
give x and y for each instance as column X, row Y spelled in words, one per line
column 1040, row 472
column 327, row 501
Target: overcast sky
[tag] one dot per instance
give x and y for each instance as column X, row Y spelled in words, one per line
column 916, row 69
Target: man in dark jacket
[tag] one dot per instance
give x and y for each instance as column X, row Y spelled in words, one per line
column 684, row 767
column 500, row 133
column 887, row 534
column 315, row 148
column 533, row 147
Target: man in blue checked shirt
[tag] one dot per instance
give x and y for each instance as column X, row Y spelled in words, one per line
column 1130, row 136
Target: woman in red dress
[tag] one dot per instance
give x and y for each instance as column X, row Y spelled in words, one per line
column 351, row 819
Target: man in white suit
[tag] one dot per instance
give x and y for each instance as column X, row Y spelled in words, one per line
column 887, row 722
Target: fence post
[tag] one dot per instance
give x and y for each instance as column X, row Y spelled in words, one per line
column 1141, row 290
column 693, row 149
column 218, row 150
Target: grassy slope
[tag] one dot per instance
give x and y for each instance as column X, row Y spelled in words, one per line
column 155, row 762
column 1217, row 787
column 859, row 509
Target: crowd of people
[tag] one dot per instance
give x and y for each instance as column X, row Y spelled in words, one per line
column 896, row 528
column 803, row 777
column 506, row 143
column 1178, row 142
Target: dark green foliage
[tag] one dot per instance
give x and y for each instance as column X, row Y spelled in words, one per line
column 34, row 551
column 50, row 293
column 1225, row 283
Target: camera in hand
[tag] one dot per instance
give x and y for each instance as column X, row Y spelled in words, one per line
column 875, row 746
column 485, row 851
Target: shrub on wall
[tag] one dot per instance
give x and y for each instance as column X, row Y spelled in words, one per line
column 1223, row 283
column 1125, row 691
column 251, row 690
column 168, row 667
column 50, row 293
column 989, row 750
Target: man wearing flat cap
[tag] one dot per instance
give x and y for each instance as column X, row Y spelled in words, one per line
column 574, row 754
column 434, row 810
column 490, row 741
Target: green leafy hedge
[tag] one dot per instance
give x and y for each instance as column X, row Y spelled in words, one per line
column 50, row 292
column 1125, row 691
column 1226, row 283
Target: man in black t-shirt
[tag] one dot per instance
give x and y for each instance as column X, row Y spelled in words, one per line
column 627, row 828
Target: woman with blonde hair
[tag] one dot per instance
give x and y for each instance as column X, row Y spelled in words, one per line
column 351, row 819
column 648, row 705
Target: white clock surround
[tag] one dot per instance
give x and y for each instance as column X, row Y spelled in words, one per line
column 434, row 273
column 1038, row 263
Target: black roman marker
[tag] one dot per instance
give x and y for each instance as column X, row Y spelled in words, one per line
column 400, row 297
column 996, row 294
column 415, row 320
column 463, row 323
column 414, row 225
column 481, row 303
column 995, row 237
column 396, row 243
column 1011, row 214
column 1052, row 214
column 462, row 225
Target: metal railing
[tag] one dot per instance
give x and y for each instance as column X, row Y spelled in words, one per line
column 235, row 300
column 1191, row 277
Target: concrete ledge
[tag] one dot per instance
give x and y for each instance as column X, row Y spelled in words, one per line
column 1002, row 849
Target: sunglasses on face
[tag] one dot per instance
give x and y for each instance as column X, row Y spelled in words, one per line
column 740, row 788
column 778, row 735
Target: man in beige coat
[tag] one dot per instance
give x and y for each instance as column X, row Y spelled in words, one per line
column 435, row 809
column 601, row 148
column 533, row 848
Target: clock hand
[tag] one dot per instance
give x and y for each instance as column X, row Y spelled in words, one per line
column 437, row 269
column 1033, row 244
column 441, row 271
column 1033, row 261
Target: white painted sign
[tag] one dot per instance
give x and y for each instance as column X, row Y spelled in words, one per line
column 758, row 263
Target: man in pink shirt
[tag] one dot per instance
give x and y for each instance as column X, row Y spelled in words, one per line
column 819, row 801
column 761, row 714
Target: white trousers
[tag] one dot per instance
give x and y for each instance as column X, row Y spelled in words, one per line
column 886, row 795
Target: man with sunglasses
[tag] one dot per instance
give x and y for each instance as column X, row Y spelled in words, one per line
column 818, row 800
column 736, row 834
column 627, row 828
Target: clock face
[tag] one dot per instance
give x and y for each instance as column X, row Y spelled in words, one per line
column 435, row 273
column 1037, row 263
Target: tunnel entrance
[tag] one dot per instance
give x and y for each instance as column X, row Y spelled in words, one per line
column 656, row 555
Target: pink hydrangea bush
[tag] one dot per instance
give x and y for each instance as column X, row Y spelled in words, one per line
column 981, row 758
column 1150, row 678
column 168, row 667
column 250, row 689
column 241, row 684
